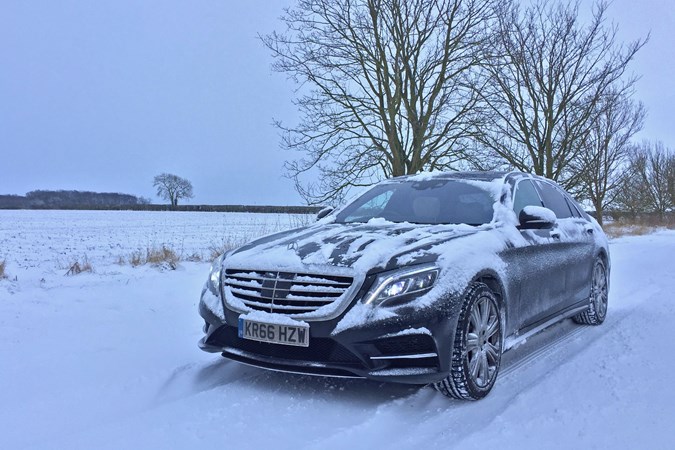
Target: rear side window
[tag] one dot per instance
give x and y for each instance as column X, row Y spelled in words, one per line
column 554, row 200
column 574, row 210
column 577, row 207
column 526, row 195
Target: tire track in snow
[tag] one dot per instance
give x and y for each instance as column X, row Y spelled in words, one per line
column 192, row 379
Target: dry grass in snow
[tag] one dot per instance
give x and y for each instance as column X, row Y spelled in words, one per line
column 77, row 267
column 163, row 256
column 638, row 226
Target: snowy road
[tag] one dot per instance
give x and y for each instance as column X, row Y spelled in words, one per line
column 109, row 360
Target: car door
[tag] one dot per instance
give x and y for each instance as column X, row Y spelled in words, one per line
column 535, row 266
column 573, row 246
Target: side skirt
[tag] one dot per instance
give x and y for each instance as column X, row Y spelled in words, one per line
column 521, row 335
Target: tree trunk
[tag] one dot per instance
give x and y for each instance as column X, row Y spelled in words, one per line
column 598, row 212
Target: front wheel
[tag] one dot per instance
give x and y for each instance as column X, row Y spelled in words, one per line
column 477, row 347
column 596, row 311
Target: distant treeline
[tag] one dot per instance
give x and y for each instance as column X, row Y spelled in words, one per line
column 228, row 208
column 115, row 201
column 69, row 200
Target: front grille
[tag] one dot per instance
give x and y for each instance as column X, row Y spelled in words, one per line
column 285, row 292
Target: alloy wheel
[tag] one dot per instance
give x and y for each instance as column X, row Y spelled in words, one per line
column 600, row 291
column 483, row 342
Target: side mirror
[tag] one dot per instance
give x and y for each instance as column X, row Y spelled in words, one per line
column 323, row 213
column 536, row 218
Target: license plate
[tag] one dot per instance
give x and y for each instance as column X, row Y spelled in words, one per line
column 274, row 333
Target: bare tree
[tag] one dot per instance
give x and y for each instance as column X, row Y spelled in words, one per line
column 600, row 165
column 649, row 181
column 172, row 187
column 387, row 87
column 547, row 74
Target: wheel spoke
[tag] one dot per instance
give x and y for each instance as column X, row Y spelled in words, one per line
column 473, row 365
column 492, row 327
column 474, row 319
column 492, row 353
column 484, row 313
column 484, row 369
column 479, row 367
column 472, row 344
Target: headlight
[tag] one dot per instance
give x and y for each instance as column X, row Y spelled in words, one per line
column 401, row 284
column 214, row 277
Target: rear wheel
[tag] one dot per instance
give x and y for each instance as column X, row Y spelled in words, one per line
column 477, row 347
column 597, row 303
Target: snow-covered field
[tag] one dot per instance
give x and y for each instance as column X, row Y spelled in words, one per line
column 52, row 240
column 109, row 359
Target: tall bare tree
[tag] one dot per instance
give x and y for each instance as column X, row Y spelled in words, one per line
column 387, row 87
column 649, row 179
column 600, row 166
column 172, row 188
column 547, row 74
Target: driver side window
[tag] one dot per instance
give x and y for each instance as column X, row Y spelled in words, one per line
column 526, row 195
column 554, row 200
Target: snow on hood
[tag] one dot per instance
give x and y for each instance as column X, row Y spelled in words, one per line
column 357, row 247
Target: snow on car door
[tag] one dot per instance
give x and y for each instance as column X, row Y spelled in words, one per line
column 574, row 246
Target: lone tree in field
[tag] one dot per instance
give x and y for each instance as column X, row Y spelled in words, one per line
column 387, row 87
column 548, row 75
column 172, row 187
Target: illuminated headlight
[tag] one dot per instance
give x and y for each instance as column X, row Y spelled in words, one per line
column 214, row 277
column 401, row 284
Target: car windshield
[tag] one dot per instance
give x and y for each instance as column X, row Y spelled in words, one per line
column 433, row 201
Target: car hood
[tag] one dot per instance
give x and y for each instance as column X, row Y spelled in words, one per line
column 362, row 247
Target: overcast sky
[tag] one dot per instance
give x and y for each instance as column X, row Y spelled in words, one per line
column 104, row 95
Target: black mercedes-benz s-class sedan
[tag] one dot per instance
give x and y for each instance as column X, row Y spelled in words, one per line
column 423, row 279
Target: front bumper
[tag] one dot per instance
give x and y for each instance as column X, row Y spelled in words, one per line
column 413, row 347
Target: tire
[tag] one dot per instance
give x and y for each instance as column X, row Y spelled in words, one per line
column 597, row 302
column 477, row 347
